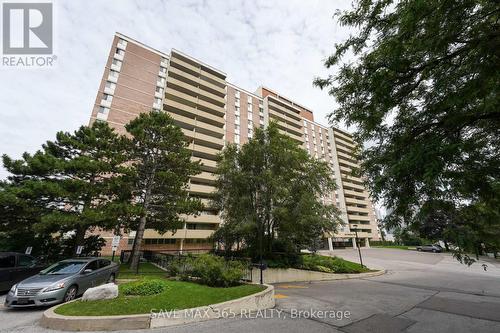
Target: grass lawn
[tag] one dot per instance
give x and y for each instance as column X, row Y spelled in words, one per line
column 179, row 295
column 146, row 269
column 400, row 247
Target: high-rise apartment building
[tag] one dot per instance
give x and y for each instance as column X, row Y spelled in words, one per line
column 213, row 112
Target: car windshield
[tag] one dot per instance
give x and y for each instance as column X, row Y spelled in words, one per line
column 65, row 267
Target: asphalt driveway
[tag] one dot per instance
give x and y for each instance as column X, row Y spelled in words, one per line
column 421, row 292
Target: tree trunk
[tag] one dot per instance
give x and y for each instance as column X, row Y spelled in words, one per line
column 79, row 237
column 136, row 249
column 446, row 246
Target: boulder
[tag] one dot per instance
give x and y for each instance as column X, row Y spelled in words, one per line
column 105, row 291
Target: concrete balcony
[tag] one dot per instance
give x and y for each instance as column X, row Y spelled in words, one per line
column 109, row 91
column 205, row 150
column 204, row 176
column 340, row 140
column 358, row 194
column 210, row 140
column 112, row 78
column 344, row 155
column 353, row 209
column 348, row 163
column 346, row 183
column 116, row 67
column 122, row 45
column 343, row 136
column 178, row 61
column 345, row 170
column 289, row 110
column 358, row 218
column 202, row 219
column 106, row 103
column 285, row 114
column 191, row 79
column 357, row 201
column 201, row 189
column 102, row 116
column 180, row 234
column 118, row 56
column 199, row 68
column 216, row 109
column 160, row 83
column 207, row 165
column 293, row 136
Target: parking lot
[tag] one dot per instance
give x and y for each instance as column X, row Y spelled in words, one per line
column 421, row 292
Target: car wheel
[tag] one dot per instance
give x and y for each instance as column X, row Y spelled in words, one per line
column 434, row 251
column 111, row 278
column 70, row 294
column 419, row 249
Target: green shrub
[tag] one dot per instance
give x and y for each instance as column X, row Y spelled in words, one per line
column 144, row 287
column 334, row 264
column 215, row 271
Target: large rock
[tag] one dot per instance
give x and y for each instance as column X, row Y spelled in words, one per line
column 105, row 291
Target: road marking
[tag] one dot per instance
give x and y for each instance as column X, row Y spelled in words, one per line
column 280, row 296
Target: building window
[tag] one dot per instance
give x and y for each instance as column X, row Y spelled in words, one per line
column 117, row 62
column 237, row 110
column 237, row 128
column 159, row 90
column 113, row 73
column 163, row 69
column 249, row 107
column 120, row 51
column 110, row 85
column 103, row 110
column 237, row 94
column 107, row 97
column 237, row 138
column 236, row 119
column 158, row 101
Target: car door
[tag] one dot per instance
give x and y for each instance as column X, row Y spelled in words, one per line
column 104, row 270
column 7, row 266
column 89, row 279
column 26, row 266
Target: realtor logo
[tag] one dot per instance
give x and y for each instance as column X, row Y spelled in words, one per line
column 27, row 28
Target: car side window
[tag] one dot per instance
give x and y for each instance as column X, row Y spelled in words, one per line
column 104, row 263
column 7, row 261
column 93, row 265
column 26, row 261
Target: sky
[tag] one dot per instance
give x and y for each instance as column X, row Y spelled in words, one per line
column 278, row 44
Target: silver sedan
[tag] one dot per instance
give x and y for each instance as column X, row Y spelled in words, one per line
column 62, row 282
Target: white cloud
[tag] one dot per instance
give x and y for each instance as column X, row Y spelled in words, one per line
column 279, row 44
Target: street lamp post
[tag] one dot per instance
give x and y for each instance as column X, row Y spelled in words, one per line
column 355, row 227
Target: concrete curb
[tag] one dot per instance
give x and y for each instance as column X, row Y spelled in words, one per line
column 255, row 302
column 281, row 275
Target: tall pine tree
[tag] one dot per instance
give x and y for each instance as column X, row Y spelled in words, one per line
column 78, row 181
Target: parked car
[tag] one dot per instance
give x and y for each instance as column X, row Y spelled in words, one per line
column 430, row 248
column 15, row 267
column 62, row 282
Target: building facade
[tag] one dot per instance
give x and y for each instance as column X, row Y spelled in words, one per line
column 212, row 113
